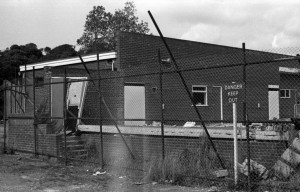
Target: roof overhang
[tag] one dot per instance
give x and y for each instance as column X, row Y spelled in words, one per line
column 69, row 61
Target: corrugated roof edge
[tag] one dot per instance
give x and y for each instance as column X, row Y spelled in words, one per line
column 69, row 61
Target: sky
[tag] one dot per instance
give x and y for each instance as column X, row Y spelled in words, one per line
column 261, row 24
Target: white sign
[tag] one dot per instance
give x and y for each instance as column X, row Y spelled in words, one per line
column 234, row 92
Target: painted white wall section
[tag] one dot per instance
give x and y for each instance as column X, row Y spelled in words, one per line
column 273, row 94
column 134, row 101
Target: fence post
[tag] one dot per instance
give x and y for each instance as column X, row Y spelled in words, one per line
column 162, row 106
column 65, row 114
column 246, row 115
column 25, row 87
column 100, row 115
column 4, row 117
column 34, row 112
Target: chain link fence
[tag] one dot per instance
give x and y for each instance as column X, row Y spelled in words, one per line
column 172, row 119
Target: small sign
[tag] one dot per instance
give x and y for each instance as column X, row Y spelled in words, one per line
column 234, row 93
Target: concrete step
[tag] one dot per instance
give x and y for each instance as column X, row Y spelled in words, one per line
column 78, row 153
column 75, row 142
column 75, row 147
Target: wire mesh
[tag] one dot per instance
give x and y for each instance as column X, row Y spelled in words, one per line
column 142, row 115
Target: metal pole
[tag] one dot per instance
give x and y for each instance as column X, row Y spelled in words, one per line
column 100, row 113
column 65, row 114
column 246, row 116
column 187, row 91
column 34, row 112
column 162, row 106
column 4, row 117
column 235, row 143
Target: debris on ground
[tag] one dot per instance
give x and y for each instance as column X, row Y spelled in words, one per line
column 99, row 173
column 255, row 168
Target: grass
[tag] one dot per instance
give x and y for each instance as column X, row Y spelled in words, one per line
column 185, row 167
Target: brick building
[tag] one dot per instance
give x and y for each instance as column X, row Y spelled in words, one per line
column 132, row 73
column 130, row 86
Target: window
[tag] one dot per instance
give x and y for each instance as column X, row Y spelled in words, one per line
column 285, row 93
column 39, row 81
column 199, row 94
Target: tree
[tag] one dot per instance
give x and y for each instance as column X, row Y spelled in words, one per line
column 100, row 27
column 16, row 55
column 47, row 50
column 59, row 52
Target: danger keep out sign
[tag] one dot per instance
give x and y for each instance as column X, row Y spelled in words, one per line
column 234, row 93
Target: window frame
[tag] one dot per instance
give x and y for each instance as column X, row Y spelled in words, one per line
column 200, row 91
column 285, row 93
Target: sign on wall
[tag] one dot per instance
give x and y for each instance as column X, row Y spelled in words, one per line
column 234, row 93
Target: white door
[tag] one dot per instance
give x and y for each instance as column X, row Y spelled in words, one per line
column 76, row 91
column 134, row 103
column 273, row 93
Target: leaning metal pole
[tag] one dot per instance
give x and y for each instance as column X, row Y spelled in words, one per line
column 65, row 115
column 107, row 109
column 187, row 89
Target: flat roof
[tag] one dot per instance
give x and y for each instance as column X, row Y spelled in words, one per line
column 69, row 61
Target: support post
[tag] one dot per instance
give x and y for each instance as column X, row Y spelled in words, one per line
column 162, row 106
column 235, row 143
column 100, row 113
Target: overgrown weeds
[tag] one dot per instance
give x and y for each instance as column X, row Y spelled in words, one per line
column 185, row 167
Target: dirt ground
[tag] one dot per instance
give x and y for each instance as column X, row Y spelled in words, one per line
column 27, row 173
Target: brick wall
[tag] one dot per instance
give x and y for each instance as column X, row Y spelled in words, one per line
column 20, row 136
column 138, row 54
column 147, row 147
